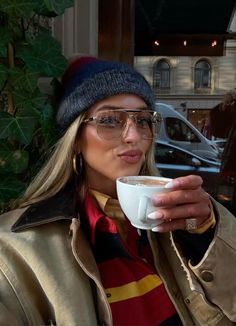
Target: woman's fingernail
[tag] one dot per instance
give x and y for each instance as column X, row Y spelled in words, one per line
column 172, row 184
column 156, row 229
column 155, row 215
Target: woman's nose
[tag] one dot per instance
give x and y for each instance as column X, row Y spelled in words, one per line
column 130, row 131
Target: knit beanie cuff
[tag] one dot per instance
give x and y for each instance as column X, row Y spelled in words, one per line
column 119, row 79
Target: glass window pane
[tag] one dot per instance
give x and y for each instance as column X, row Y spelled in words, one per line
column 202, row 74
column 162, row 75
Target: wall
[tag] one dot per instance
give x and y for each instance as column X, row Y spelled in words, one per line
column 182, row 93
column 77, row 29
column 182, row 78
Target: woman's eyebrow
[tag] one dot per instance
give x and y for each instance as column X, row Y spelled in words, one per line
column 114, row 107
column 109, row 107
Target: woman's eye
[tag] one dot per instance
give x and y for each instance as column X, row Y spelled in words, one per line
column 109, row 120
column 144, row 121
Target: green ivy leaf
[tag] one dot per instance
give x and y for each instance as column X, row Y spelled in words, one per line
column 47, row 112
column 48, row 124
column 3, row 75
column 15, row 161
column 37, row 54
column 5, row 38
column 18, row 8
column 44, row 55
column 20, row 128
column 24, row 79
column 42, row 10
column 48, row 9
column 58, row 6
column 26, row 102
column 3, row 51
column 10, row 188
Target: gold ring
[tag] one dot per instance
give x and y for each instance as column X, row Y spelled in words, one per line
column 191, row 224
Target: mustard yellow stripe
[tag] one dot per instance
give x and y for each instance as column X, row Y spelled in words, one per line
column 133, row 289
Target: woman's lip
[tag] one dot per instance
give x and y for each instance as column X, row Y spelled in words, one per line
column 132, row 156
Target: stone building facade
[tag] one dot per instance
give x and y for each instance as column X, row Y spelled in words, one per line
column 78, row 32
column 180, row 88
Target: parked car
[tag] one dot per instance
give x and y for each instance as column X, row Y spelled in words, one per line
column 220, row 144
column 173, row 161
column 177, row 130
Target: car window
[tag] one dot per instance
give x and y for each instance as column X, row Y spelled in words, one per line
column 169, row 155
column 178, row 130
column 166, row 154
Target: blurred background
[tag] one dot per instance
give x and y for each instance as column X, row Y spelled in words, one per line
column 185, row 49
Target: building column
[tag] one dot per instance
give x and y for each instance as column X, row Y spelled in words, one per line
column 102, row 28
column 116, row 30
column 77, row 29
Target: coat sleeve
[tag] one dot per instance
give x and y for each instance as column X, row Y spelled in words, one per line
column 11, row 313
column 6, row 318
column 216, row 271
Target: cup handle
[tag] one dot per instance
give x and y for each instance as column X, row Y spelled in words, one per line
column 142, row 208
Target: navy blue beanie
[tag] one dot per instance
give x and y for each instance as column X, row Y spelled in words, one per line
column 88, row 80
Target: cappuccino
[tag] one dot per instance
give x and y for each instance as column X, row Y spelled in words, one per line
column 135, row 196
column 144, row 181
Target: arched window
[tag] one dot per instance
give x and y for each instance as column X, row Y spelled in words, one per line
column 202, row 74
column 162, row 75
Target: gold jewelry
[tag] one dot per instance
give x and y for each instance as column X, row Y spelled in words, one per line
column 191, row 224
column 209, row 223
column 75, row 163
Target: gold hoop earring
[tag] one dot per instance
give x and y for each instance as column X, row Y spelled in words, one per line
column 76, row 163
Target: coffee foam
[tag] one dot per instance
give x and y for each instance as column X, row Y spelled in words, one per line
column 145, row 182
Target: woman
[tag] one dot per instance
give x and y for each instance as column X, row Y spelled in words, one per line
column 226, row 112
column 68, row 254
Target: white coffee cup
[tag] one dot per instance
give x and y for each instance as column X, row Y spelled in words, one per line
column 135, row 197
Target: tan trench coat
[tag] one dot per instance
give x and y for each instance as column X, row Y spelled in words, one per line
column 48, row 275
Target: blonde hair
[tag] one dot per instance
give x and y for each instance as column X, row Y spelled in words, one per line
column 58, row 169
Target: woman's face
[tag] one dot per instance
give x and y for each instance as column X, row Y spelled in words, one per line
column 105, row 160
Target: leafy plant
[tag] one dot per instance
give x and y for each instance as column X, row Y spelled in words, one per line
column 28, row 52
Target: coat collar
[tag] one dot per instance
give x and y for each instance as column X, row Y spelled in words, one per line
column 62, row 206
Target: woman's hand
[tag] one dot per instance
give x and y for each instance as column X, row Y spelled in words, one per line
column 185, row 207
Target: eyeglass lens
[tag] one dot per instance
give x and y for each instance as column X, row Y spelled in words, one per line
column 111, row 124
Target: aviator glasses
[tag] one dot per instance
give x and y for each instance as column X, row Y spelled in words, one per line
column 111, row 123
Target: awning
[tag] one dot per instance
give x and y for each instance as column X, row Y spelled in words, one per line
column 184, row 27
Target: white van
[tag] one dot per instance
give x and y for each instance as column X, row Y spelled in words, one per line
column 177, row 130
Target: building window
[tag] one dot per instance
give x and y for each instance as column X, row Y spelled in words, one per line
column 202, row 74
column 162, row 75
